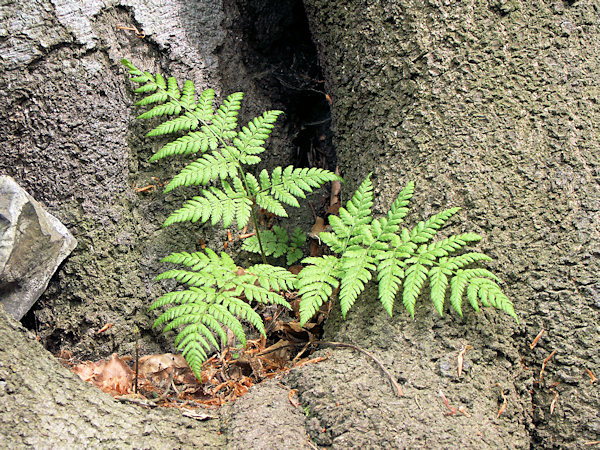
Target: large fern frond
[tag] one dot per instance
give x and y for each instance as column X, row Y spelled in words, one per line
column 217, row 299
column 404, row 259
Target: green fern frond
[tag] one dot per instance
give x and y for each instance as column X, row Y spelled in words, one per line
column 286, row 185
column 225, row 119
column 262, row 295
column 273, row 277
column 459, row 282
column 196, row 331
column 164, row 109
column 297, row 240
column 389, row 278
column 386, row 227
column 276, row 243
column 272, row 205
column 449, row 245
column 204, row 108
column 191, row 278
column 156, row 97
column 250, row 139
column 358, row 209
column 425, row 231
column 244, row 311
column 356, row 266
column 194, row 142
column 457, row 262
column 194, row 294
column 204, row 170
column 214, row 205
column 316, row 283
column 196, row 260
column 438, row 282
column 185, row 122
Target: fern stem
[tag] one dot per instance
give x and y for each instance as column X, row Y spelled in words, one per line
column 262, row 251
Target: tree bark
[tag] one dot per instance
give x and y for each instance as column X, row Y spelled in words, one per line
column 72, row 141
column 44, row 405
column 490, row 106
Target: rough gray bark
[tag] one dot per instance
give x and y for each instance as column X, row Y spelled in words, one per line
column 72, row 141
column 491, row 106
column 44, row 405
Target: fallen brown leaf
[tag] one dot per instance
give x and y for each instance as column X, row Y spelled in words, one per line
column 112, row 376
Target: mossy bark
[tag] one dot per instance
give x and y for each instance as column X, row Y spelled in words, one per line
column 71, row 139
column 491, row 106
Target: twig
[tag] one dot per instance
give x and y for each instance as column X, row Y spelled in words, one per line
column 553, row 404
column 461, row 357
column 451, row 408
column 504, row 400
column 544, row 364
column 537, row 338
column 592, row 376
column 313, row 210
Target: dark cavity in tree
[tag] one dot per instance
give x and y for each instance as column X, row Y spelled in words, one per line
column 273, row 42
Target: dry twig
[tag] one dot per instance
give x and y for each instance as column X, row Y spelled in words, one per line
column 591, row 374
column 553, row 404
column 504, row 400
column 537, row 338
column 461, row 357
column 544, row 364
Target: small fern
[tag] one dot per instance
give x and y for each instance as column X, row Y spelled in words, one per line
column 219, row 292
column 217, row 297
column 277, row 243
column 403, row 260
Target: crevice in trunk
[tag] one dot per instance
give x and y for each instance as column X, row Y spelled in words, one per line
column 269, row 54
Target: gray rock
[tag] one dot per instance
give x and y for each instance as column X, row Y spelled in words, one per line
column 33, row 243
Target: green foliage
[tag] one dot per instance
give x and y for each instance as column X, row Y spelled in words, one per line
column 224, row 153
column 219, row 293
column 403, row 260
column 277, row 243
column 217, row 296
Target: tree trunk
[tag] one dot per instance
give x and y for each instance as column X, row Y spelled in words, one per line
column 44, row 405
column 491, row 107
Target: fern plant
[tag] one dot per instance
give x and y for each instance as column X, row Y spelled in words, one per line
column 218, row 291
column 402, row 259
column 277, row 243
